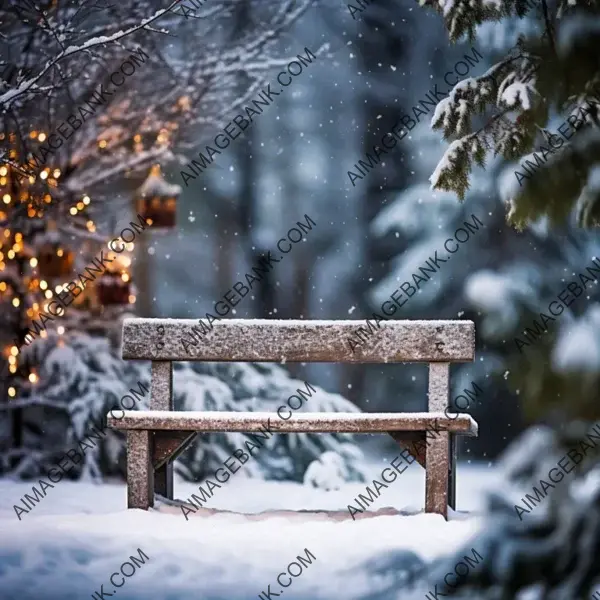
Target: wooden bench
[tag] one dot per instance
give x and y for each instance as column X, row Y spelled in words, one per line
column 156, row 437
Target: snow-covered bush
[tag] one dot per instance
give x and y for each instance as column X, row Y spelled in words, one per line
column 81, row 378
column 330, row 470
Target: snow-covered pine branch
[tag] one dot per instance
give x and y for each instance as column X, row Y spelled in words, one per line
column 530, row 96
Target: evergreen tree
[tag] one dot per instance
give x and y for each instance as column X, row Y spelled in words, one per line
column 538, row 106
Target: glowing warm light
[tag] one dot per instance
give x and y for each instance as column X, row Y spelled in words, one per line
column 56, row 173
column 2, row 286
column 42, row 137
column 43, row 285
column 60, row 252
column 33, row 377
column 35, row 305
column 131, row 299
column 137, row 138
column 10, row 254
column 126, row 261
column 125, row 277
column 12, row 392
column 47, row 198
column 43, row 175
column 48, row 294
column 86, row 200
column 16, row 302
column 18, row 237
column 6, row 198
column 33, row 262
column 57, row 289
column 14, row 351
column 3, row 171
column 44, row 334
column 32, row 179
column 12, row 360
column 80, row 206
column 149, row 221
column 12, row 369
column 102, row 143
column 7, row 233
column 61, row 330
column 3, row 181
column 130, row 247
column 33, row 134
column 73, row 210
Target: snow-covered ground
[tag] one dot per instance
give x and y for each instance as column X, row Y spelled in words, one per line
column 81, row 533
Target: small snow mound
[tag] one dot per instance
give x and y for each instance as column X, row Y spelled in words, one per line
column 327, row 473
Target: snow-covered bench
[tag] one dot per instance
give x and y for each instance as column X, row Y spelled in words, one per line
column 156, row 437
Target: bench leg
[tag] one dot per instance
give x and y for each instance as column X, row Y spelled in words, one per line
column 453, row 441
column 140, row 474
column 161, row 398
column 436, row 473
column 163, row 481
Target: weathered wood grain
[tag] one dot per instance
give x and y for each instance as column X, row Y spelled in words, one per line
column 161, row 398
column 270, row 340
column 208, row 421
column 436, row 474
column 140, row 474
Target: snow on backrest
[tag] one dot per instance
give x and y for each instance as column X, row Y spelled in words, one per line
column 271, row 340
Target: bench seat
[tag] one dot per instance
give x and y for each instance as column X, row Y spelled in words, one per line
column 208, row 421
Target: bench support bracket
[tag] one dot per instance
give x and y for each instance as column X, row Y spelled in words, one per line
column 407, row 440
column 168, row 445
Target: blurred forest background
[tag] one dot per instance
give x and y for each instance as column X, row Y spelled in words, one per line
column 293, row 161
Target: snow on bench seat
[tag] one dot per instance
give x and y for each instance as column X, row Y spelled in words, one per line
column 209, row 421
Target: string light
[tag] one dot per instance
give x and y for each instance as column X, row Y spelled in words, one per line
column 34, row 193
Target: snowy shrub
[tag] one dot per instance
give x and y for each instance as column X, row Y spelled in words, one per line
column 328, row 472
column 81, row 378
column 259, row 387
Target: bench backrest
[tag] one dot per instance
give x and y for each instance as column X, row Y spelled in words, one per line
column 265, row 340
column 268, row 340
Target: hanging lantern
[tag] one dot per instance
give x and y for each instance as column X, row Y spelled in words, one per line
column 54, row 261
column 112, row 289
column 156, row 200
